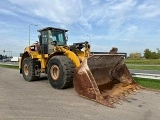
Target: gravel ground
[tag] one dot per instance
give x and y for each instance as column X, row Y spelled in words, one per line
column 21, row 100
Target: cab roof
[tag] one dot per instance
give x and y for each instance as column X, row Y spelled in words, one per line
column 51, row 28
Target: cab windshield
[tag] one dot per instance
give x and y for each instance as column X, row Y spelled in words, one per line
column 58, row 36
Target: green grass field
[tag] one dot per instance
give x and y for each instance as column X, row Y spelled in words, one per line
column 9, row 66
column 143, row 67
column 143, row 64
column 143, row 61
column 148, row 83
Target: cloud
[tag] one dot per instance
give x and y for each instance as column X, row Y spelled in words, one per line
column 80, row 12
column 57, row 11
column 87, row 13
column 8, row 12
column 110, row 22
column 149, row 9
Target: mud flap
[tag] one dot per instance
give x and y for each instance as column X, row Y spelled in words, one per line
column 104, row 79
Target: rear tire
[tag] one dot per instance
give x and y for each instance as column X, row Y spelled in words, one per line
column 60, row 72
column 28, row 69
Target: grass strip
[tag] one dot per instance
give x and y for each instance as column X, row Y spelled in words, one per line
column 142, row 67
column 148, row 83
column 143, row 61
column 9, row 66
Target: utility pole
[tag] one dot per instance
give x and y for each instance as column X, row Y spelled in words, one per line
column 29, row 31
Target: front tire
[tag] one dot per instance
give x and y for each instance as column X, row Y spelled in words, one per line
column 60, row 72
column 28, row 69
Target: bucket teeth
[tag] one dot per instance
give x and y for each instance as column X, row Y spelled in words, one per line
column 119, row 93
column 125, row 93
column 121, row 96
column 138, row 87
column 116, row 100
column 124, row 99
column 116, row 97
column 130, row 91
column 108, row 103
column 112, row 106
column 134, row 90
column 119, row 102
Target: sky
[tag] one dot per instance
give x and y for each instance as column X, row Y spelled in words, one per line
column 130, row 25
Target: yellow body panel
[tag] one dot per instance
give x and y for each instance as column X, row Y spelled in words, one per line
column 44, row 58
column 72, row 56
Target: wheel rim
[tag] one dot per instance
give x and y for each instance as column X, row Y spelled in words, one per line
column 55, row 72
column 26, row 71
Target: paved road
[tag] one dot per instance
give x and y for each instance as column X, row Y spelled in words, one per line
column 21, row 100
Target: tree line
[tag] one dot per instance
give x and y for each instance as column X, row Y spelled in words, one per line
column 148, row 54
column 3, row 57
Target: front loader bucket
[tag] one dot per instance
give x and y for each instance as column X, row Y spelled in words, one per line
column 105, row 79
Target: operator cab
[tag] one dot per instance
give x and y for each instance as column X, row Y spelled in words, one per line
column 51, row 36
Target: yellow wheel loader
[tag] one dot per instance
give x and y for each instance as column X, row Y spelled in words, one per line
column 102, row 78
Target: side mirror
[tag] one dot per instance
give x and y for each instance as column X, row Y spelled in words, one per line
column 54, row 43
column 66, row 37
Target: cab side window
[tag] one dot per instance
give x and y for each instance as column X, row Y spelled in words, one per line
column 44, row 37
